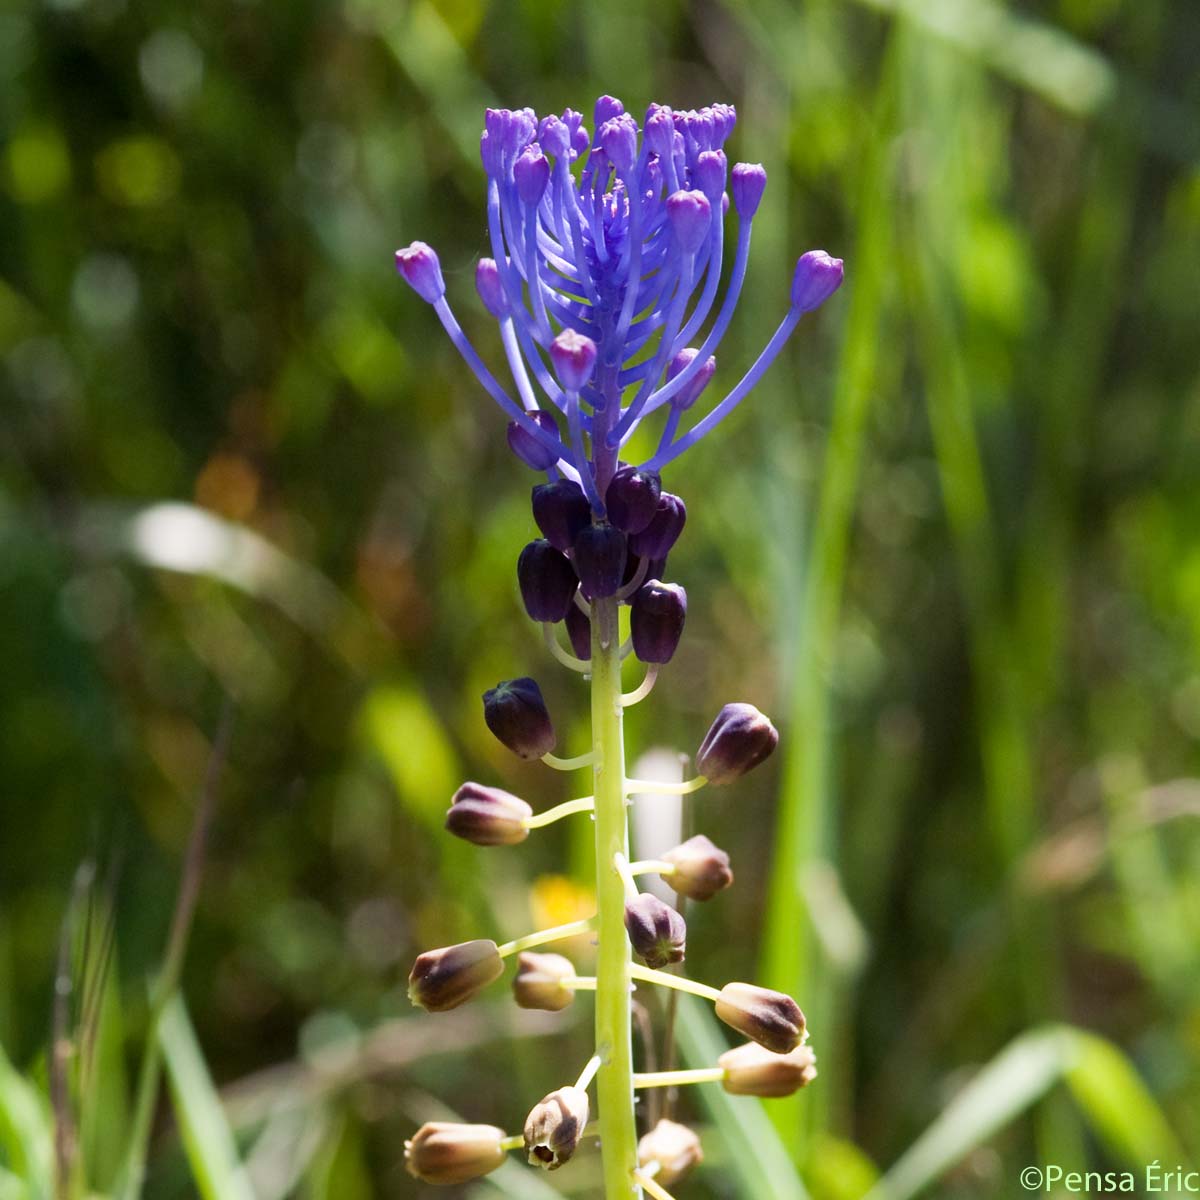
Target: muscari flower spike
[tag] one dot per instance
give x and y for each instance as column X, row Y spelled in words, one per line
column 607, row 250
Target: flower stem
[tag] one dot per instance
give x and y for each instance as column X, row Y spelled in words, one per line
column 546, row 935
column 652, row 1189
column 678, row 982
column 653, row 1079
column 583, row 804
column 568, row 764
column 658, row 787
column 614, row 1042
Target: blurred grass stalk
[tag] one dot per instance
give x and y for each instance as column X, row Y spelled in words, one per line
column 795, row 960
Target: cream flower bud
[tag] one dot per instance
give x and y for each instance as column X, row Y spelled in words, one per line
column 539, row 981
column 443, row 979
column 752, row 1070
column 769, row 1018
column 554, row 1127
column 674, row 1147
column 701, row 869
column 488, row 816
column 441, row 1152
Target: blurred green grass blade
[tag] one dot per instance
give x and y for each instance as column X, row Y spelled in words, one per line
column 208, row 1140
column 11, row 1188
column 25, row 1132
column 839, row 1170
column 1008, row 1085
column 339, row 1169
column 104, row 1102
column 804, row 834
column 1118, row 1105
column 756, row 1153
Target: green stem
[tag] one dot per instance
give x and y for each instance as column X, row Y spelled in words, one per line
column 614, row 978
column 542, row 936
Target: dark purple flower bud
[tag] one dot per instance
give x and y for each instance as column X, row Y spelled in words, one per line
column 532, row 173
column 753, row 1070
column 690, row 392
column 618, row 137
column 660, row 133
column 709, row 175
column 656, row 540
column 701, row 869
column 573, row 356
column 579, row 630
column 632, row 499
column 656, row 620
column 769, row 1018
column 488, row 816
column 539, row 981
column 555, row 1126
column 547, row 581
column 554, row 137
column 606, row 108
column 516, row 713
column 490, row 289
column 739, row 739
column 674, row 1147
column 749, row 183
column 689, row 214
column 657, row 932
column 561, row 510
column 527, row 448
column 445, row 1153
column 817, row 277
column 443, row 979
column 600, row 552
column 419, row 267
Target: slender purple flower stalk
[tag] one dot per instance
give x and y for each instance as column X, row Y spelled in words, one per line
column 606, row 262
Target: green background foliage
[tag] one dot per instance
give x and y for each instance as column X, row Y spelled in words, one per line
column 950, row 545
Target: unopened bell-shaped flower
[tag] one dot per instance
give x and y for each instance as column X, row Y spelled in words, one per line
column 675, row 1148
column 657, row 932
column 561, row 510
column 737, row 741
column 632, row 499
column 516, row 713
column 574, row 358
column 753, row 1070
column 579, row 630
column 770, row 1018
column 657, row 539
column 547, row 581
column 600, row 554
column 701, row 869
column 656, row 620
column 488, row 816
column 554, row 1127
column 690, row 392
column 539, row 981
column 443, row 979
column 527, row 448
column 444, row 1153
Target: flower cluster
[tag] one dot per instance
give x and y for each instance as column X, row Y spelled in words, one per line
column 607, row 252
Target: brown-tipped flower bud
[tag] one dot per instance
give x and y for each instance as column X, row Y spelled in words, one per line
column 769, row 1018
column 444, row 1153
column 632, row 499
column 656, row 620
column 554, row 1127
column 739, row 739
column 701, row 869
column 488, row 816
column 600, row 552
column 675, row 1148
column 579, row 630
column 443, row 979
column 657, row 932
column 539, row 981
column 752, row 1070
column 547, row 581
column 516, row 713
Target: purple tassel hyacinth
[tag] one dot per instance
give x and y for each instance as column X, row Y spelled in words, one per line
column 607, row 249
